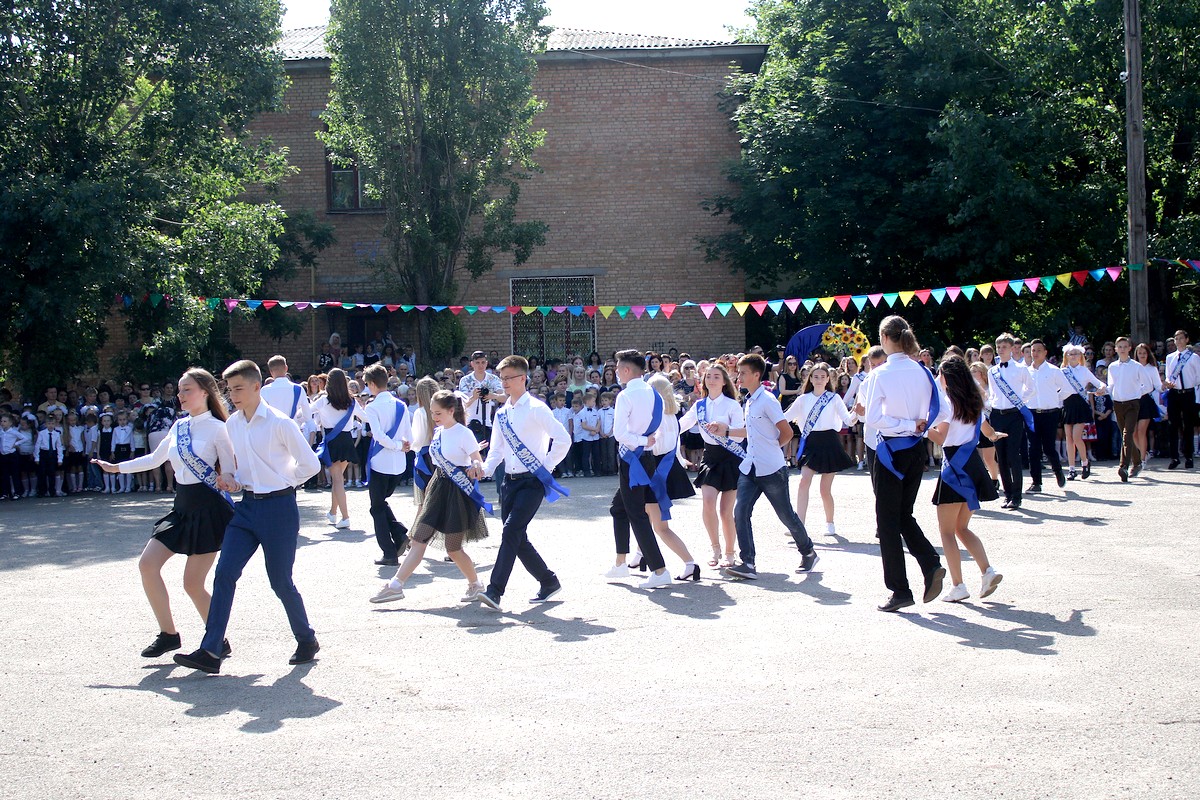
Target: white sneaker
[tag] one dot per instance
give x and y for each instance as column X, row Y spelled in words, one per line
column 473, row 590
column 829, row 529
column 991, row 579
column 342, row 524
column 388, row 594
column 957, row 593
column 332, row 518
column 860, row 466
column 655, row 581
column 617, row 571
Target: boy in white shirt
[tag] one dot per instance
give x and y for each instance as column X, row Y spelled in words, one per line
column 564, row 417
column 587, row 439
column 607, row 448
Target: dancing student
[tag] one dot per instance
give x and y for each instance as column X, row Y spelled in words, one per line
column 529, row 442
column 422, row 434
column 821, row 414
column 386, row 462
column 1148, row 409
column 285, row 396
column 271, row 459
column 875, row 357
column 902, row 402
column 763, row 470
column 1010, row 388
column 453, row 506
column 1050, row 388
column 199, row 447
column 333, row 413
column 668, row 481
column 1127, row 384
column 1183, row 376
column 986, row 447
column 963, row 483
column 717, row 475
column 1077, row 411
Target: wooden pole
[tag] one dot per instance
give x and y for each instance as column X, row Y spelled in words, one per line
column 1135, row 167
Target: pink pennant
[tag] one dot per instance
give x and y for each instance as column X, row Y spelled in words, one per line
column 843, row 300
column 760, row 306
column 1032, row 284
column 708, row 308
column 230, row 304
column 456, row 310
column 559, row 309
column 270, row 303
column 514, row 310
column 391, row 307
column 875, row 299
column 638, row 311
column 792, row 305
column 1114, row 272
column 667, row 309
column 301, row 306
column 1000, row 286
column 923, row 295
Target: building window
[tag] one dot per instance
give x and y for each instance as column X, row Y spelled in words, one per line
column 347, row 189
column 553, row 335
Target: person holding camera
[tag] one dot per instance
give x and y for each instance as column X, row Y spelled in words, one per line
column 482, row 393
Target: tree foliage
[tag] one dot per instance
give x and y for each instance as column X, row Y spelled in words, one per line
column 894, row 144
column 434, row 99
column 125, row 164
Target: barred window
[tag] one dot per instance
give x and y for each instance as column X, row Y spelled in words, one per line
column 553, row 335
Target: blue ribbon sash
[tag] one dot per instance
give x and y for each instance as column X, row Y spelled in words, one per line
column 457, row 474
column 376, row 447
column 1016, row 401
column 334, row 432
column 203, row 471
column 637, row 473
column 1075, row 384
column 421, row 473
column 887, row 447
column 552, row 488
column 295, row 400
column 955, row 475
column 814, row 414
column 724, row 441
column 1184, row 357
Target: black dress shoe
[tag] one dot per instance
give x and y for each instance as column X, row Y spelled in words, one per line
column 1188, row 464
column 933, row 584
column 387, row 562
column 163, row 643
column 547, row 591
column 201, row 660
column 305, row 652
column 1061, row 478
column 896, row 602
column 1006, row 504
column 1034, row 489
column 1174, row 464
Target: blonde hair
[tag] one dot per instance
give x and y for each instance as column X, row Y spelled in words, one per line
column 662, row 384
column 426, row 388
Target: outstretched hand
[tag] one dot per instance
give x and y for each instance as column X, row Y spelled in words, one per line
column 107, row 466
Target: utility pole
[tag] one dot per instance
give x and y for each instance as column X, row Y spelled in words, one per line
column 1135, row 169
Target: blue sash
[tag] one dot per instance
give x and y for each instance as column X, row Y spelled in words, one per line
column 457, row 474
column 1075, row 384
column 637, row 473
column 813, row 415
column 724, row 441
column 295, row 400
column 376, row 447
column 1016, row 401
column 528, row 460
column 334, row 432
column 1180, row 363
column 954, row 473
column 886, row 447
column 421, row 473
column 196, row 465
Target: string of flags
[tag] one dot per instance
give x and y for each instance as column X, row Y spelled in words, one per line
column 1000, row 288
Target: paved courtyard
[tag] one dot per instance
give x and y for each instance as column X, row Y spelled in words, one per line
column 1077, row 679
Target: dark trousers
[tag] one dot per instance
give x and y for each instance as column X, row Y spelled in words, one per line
column 587, row 456
column 10, row 475
column 1008, row 450
column 775, row 487
column 522, row 497
column 1181, row 417
column 273, row 524
column 390, row 533
column 628, row 510
column 1126, row 412
column 894, row 501
column 1044, row 443
column 47, row 467
column 608, row 456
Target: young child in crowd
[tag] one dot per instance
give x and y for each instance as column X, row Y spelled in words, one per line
column 10, row 460
column 140, row 443
column 50, row 455
column 575, row 457
column 91, row 445
column 77, row 458
column 608, row 444
column 104, row 449
column 589, row 442
column 122, row 443
column 563, row 415
column 26, row 435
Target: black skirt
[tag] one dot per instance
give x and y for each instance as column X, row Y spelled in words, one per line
column 985, row 489
column 824, row 453
column 447, row 511
column 341, row 447
column 719, row 469
column 984, row 442
column 1147, row 408
column 1076, row 411
column 691, row 441
column 679, row 486
column 196, row 523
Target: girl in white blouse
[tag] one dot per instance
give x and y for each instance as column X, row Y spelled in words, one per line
column 823, row 414
column 1148, row 405
column 328, row 411
column 447, row 511
column 1077, row 410
column 195, row 527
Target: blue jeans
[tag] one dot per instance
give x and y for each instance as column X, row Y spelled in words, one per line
column 273, row 523
column 523, row 495
column 775, row 487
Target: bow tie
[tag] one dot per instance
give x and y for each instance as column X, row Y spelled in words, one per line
column 1003, row 364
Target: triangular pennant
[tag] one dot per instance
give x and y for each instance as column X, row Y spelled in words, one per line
column 421, row 308
column 792, row 305
column 760, row 306
column 826, row 302
column 953, row 292
column 606, row 311
column 969, row 291
column 708, row 308
column 1032, row 284
column 984, row 289
column 1000, row 286
column 638, row 311
column 391, row 307
column 377, row 307
column 1047, row 282
column 155, row 299
column 253, row 304
column 1080, row 277
column 128, row 301
column 776, row 306
column 456, row 310
column 213, row 302
column 923, row 295
column 741, row 308
column 1016, row 286
column 1064, row 279
column 302, row 306
column 939, row 295
column 668, row 309
column 527, row 310
column 286, row 303
column 1097, row 274
column 1194, row 265
column 575, row 310
column 1115, row 272
column 348, row 305
column 560, row 309
column 406, row 308
column 470, row 309
column 545, row 310
column 809, row 303
column 591, row 310
column 843, row 300
column 890, row 298
column 724, row 308
column 230, row 304
column 906, row 297
column 622, row 311
column 875, row 299
column 269, row 304
column 860, row 301
column 496, row 309
column 652, row 311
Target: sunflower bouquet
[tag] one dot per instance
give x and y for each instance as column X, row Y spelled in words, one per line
column 844, row 339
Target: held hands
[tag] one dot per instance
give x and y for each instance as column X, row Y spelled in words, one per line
column 717, row 428
column 860, row 409
column 999, row 435
column 227, row 483
column 921, row 425
column 108, row 467
column 650, row 440
column 475, row 471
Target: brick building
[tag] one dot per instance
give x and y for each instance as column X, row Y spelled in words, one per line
column 635, row 140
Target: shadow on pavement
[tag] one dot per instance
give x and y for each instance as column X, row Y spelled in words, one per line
column 476, row 619
column 269, row 705
column 1036, row 632
column 694, row 599
column 75, row 531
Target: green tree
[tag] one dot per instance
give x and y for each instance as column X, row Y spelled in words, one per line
column 434, row 99
column 123, row 156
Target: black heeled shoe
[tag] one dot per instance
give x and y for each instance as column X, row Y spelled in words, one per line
column 693, row 575
column 640, row 566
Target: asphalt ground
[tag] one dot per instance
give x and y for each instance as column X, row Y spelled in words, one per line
column 1076, row 679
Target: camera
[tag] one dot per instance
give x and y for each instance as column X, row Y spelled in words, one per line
column 483, row 392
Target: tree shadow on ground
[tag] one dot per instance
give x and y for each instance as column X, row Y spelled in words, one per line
column 1035, row 633
column 269, row 705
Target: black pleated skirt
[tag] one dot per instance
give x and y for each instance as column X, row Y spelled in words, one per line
column 1076, row 411
column 341, row 447
column 985, row 489
column 691, row 441
column 447, row 511
column 824, row 453
column 719, row 469
column 1147, row 408
column 196, row 523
